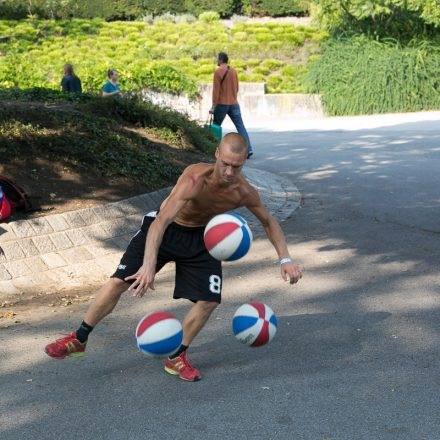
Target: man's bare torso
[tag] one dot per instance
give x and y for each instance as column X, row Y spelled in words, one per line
column 210, row 199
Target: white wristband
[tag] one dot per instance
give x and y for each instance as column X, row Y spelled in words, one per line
column 285, row 260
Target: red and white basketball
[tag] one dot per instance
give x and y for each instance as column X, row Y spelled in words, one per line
column 159, row 334
column 228, row 237
column 254, row 324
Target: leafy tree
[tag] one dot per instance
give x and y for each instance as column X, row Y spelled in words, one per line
column 402, row 19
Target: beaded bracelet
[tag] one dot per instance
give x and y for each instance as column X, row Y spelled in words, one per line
column 285, row 260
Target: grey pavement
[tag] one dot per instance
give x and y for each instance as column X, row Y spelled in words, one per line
column 356, row 355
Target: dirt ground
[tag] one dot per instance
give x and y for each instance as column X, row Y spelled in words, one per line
column 56, row 187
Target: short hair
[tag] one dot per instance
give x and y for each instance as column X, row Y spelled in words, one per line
column 236, row 143
column 222, row 57
column 110, row 72
column 69, row 69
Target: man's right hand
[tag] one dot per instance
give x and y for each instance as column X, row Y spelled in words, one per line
column 143, row 280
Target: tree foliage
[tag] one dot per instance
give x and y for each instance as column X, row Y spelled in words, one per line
column 401, row 19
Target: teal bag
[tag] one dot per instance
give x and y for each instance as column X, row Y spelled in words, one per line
column 216, row 130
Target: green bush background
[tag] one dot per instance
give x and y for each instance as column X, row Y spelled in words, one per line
column 364, row 76
column 164, row 55
column 132, row 9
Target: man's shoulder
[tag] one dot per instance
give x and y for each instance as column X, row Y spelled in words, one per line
column 198, row 168
column 248, row 192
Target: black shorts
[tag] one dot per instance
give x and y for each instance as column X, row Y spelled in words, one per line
column 198, row 275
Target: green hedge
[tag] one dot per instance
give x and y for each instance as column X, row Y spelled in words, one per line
column 361, row 76
column 275, row 8
column 133, row 9
column 163, row 56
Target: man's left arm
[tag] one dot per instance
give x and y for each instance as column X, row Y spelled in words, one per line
column 289, row 270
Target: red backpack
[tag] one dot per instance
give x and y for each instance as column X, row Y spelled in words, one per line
column 12, row 197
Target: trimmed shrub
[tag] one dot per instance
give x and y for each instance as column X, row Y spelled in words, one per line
column 225, row 8
column 280, row 8
column 275, row 8
column 361, row 76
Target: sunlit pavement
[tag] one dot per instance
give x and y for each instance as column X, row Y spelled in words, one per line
column 356, row 355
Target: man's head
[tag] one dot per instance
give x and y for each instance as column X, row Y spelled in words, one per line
column 231, row 156
column 112, row 74
column 222, row 58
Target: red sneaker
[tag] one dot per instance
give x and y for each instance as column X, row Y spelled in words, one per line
column 67, row 346
column 181, row 367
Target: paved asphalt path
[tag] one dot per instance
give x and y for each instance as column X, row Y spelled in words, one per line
column 357, row 350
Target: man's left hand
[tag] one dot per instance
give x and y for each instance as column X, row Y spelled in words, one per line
column 291, row 272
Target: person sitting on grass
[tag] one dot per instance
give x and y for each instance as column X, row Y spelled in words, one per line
column 111, row 87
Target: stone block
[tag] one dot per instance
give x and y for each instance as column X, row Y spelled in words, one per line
column 99, row 249
column 87, row 269
column 60, row 276
column 76, row 255
column 57, row 222
column 165, row 192
column 134, row 223
column 77, row 237
column 40, row 225
column 61, row 241
column 7, row 288
column 156, row 198
column 54, row 260
column 137, row 205
column 98, row 232
column 149, row 203
column 44, row 244
column 28, row 247
column 4, row 273
column 12, row 251
column 119, row 226
column 22, row 228
column 112, row 211
column 36, row 264
column 6, row 233
column 74, row 219
column 125, row 207
column 89, row 216
column 32, row 283
column 119, row 243
column 17, row 268
column 107, row 263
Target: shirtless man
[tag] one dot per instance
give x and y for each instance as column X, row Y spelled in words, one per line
column 175, row 233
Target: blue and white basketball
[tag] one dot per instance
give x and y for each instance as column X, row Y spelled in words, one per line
column 228, row 237
column 254, row 324
column 159, row 334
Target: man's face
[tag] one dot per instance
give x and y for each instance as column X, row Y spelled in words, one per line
column 114, row 76
column 229, row 164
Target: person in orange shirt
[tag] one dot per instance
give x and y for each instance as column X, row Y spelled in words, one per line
column 224, row 98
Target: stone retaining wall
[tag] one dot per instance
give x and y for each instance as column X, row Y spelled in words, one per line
column 253, row 99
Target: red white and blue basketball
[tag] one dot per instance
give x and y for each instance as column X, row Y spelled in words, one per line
column 254, row 324
column 228, row 237
column 159, row 334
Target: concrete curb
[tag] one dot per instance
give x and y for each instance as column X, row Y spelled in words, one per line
column 65, row 250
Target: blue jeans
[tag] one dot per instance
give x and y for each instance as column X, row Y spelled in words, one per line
column 233, row 111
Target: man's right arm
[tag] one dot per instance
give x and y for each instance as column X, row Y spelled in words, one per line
column 215, row 90
column 185, row 189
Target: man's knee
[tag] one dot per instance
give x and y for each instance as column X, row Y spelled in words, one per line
column 207, row 306
column 118, row 285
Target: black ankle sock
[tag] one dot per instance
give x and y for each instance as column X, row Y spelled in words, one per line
column 181, row 349
column 82, row 333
